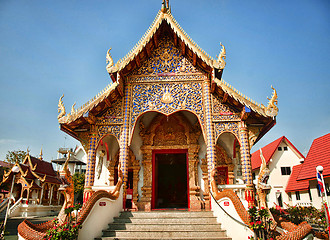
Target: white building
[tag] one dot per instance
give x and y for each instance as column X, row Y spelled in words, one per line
column 77, row 161
column 302, row 184
column 281, row 156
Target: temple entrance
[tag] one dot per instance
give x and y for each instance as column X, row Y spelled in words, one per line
column 170, row 188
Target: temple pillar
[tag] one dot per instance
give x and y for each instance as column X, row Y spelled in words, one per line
column 194, row 199
column 206, row 193
column 124, row 138
column 41, row 194
column 210, row 142
column 90, row 169
column 51, row 195
column 145, row 203
column 246, row 163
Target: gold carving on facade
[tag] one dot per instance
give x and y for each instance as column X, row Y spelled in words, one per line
column 253, row 135
column 167, row 97
column 61, row 108
column 165, row 59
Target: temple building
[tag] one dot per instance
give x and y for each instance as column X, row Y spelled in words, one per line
column 36, row 188
column 168, row 121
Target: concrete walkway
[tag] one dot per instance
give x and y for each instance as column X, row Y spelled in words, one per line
column 12, row 224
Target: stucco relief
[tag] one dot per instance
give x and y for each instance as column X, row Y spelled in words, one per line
column 167, row 98
column 222, row 127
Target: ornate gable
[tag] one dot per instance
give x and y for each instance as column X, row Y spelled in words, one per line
column 165, row 62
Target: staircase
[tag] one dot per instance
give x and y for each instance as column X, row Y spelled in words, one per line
column 165, row 225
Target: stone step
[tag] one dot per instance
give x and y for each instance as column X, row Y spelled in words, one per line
column 175, row 225
column 209, row 220
column 163, row 214
column 164, row 227
column 164, row 234
column 172, row 238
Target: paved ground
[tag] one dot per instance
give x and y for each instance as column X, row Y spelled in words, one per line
column 12, row 223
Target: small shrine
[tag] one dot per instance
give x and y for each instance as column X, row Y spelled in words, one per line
column 36, row 188
column 169, row 120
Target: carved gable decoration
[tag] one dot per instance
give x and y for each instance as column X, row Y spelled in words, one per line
column 170, row 132
column 222, row 157
column 221, row 111
column 173, row 130
column 116, row 110
column 113, row 115
column 165, row 59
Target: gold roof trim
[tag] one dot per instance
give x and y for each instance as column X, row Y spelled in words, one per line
column 270, row 111
column 75, row 114
column 162, row 16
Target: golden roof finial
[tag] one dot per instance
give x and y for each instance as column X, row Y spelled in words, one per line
column 164, row 6
column 61, row 108
column 40, row 155
column 28, row 151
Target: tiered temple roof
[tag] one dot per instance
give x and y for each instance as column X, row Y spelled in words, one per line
column 33, row 168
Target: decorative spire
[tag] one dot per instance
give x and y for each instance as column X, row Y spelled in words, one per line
column 165, row 5
column 40, row 157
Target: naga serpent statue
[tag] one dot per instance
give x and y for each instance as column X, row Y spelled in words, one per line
column 263, row 187
column 67, row 189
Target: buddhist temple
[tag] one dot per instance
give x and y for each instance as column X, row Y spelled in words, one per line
column 169, row 119
column 167, row 133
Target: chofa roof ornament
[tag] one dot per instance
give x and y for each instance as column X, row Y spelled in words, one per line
column 109, row 61
column 271, row 109
column 222, row 56
column 61, row 108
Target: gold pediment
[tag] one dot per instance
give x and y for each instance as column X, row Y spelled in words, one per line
column 165, row 60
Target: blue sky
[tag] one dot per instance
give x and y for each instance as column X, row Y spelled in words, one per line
column 52, row 47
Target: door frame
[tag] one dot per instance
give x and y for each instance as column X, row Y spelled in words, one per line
column 154, row 179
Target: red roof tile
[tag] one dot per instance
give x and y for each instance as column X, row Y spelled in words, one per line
column 43, row 167
column 293, row 184
column 319, row 154
column 268, row 151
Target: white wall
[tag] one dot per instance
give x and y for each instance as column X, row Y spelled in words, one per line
column 235, row 229
column 316, row 199
column 277, row 181
column 99, row 217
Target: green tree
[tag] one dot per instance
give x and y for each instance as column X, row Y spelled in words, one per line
column 78, row 185
column 15, row 156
